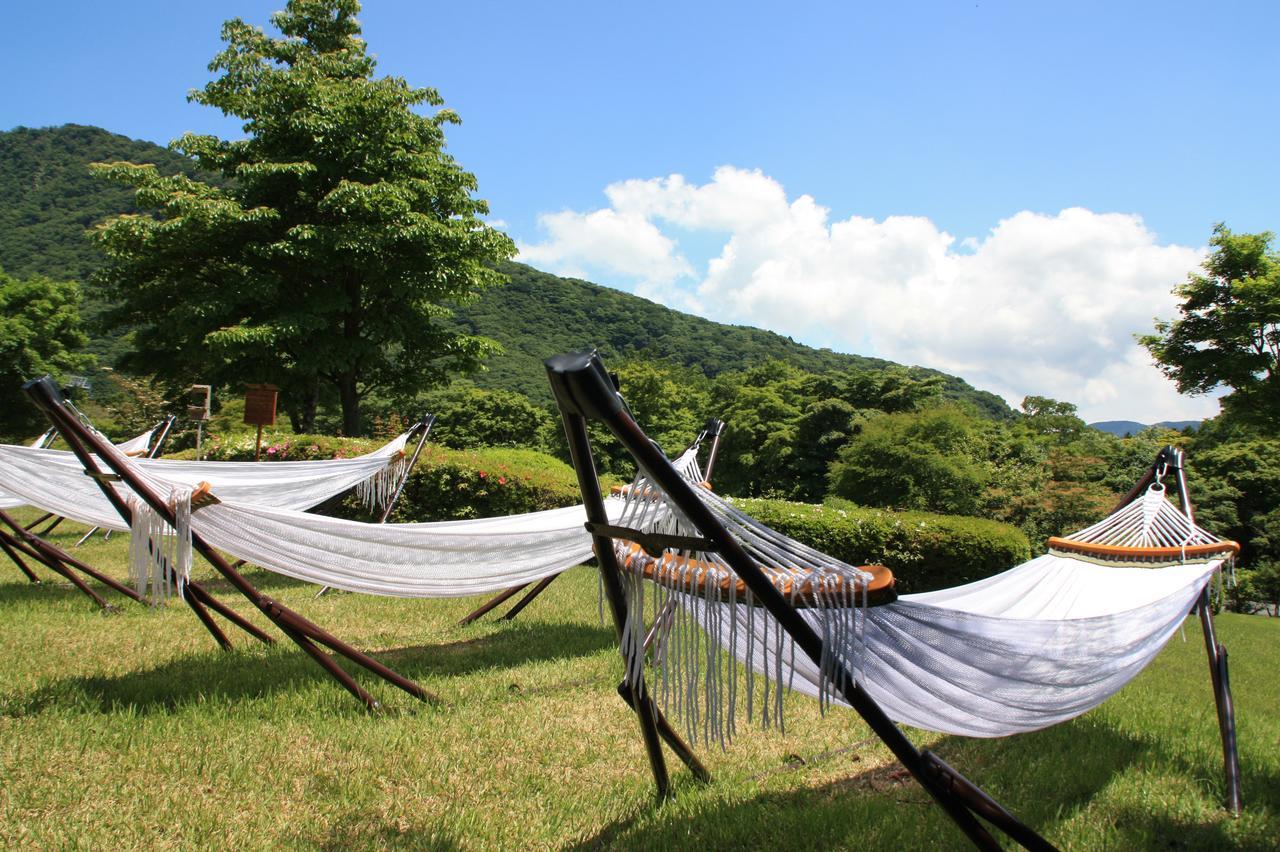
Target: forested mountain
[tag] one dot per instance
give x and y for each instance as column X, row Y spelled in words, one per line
column 48, row 199
column 1121, row 428
column 536, row 315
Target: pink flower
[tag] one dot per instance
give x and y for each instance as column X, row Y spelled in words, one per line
column 502, row 480
column 483, row 474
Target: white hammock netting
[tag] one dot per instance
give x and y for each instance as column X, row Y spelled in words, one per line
column 54, row 480
column 1028, row 648
column 441, row 559
column 138, row 445
column 132, row 447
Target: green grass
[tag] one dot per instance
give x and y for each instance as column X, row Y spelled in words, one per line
column 132, row 730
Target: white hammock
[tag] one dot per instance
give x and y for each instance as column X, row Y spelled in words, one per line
column 54, row 480
column 1034, row 646
column 137, row 446
column 432, row 560
column 442, row 559
column 132, row 447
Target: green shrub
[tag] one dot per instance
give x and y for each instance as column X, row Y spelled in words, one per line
column 1255, row 589
column 924, row 551
column 457, row 484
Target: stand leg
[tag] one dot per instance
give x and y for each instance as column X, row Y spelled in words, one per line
column 1226, row 707
column 32, row 547
column 528, row 599
column 668, row 733
column 51, row 526
column 228, row 613
column 496, row 601
column 17, row 560
column 197, row 607
column 660, row 625
column 38, row 521
column 294, row 623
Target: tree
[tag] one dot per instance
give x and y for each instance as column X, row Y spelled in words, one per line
column 39, row 334
column 468, row 417
column 329, row 255
column 1229, row 330
column 1051, row 418
column 929, row 460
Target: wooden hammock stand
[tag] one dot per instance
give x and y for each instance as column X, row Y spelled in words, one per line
column 584, row 391
column 18, row 541
column 713, row 430
column 1172, row 460
column 90, row 448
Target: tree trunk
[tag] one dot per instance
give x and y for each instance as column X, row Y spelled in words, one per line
column 309, row 405
column 350, row 404
column 303, row 405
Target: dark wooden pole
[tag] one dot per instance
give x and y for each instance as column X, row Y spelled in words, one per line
column 305, row 633
column 55, row 557
column 53, row 565
column 493, row 603
column 653, row 726
column 17, row 560
column 714, row 429
column 38, row 521
column 1217, row 653
column 528, row 598
column 582, row 388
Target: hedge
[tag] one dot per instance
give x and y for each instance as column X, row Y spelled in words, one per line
column 924, row 551
column 445, row 484
column 484, row 483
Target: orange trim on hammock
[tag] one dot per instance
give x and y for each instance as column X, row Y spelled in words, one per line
column 1112, row 551
column 671, row 571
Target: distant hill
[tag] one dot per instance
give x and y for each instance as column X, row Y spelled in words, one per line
column 1132, row 427
column 48, row 199
column 537, row 315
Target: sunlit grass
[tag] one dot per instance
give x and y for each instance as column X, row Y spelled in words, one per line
column 132, row 729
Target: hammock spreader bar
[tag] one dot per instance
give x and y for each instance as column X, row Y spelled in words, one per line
column 307, row 635
column 583, row 391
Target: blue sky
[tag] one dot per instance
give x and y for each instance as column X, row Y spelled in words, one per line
column 1003, row 190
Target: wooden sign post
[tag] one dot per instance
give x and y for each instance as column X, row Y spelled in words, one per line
column 260, row 410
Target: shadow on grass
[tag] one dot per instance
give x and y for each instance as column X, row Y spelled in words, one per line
column 515, row 645
column 1044, row 779
column 235, row 675
column 365, row 832
column 55, row 589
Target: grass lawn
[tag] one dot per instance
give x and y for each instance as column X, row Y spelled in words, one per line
column 133, row 730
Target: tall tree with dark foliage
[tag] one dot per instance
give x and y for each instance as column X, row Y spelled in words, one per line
column 328, row 256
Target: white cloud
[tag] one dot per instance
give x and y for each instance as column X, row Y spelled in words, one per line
column 611, row 242
column 1043, row 304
